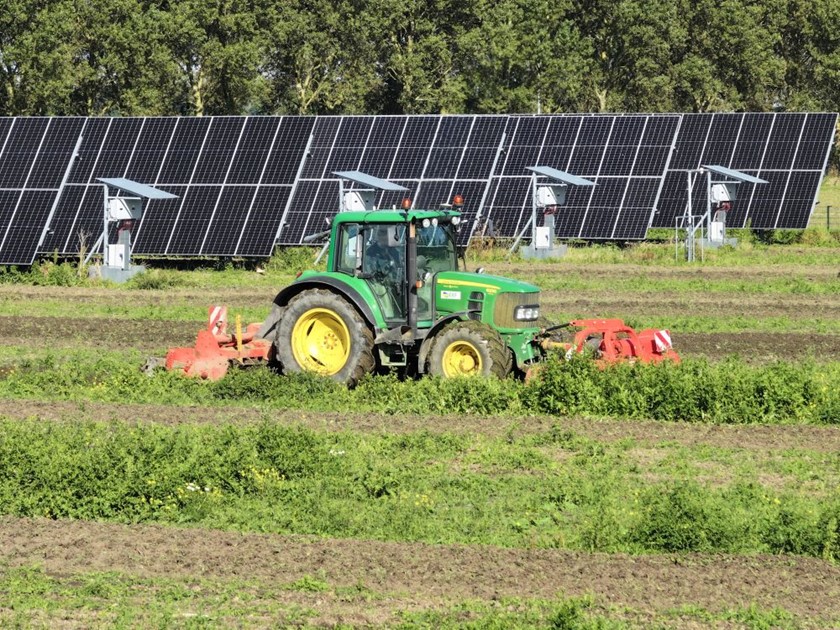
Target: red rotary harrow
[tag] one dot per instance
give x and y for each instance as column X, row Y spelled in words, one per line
column 215, row 350
column 613, row 341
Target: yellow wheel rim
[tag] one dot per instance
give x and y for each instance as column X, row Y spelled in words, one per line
column 321, row 341
column 461, row 358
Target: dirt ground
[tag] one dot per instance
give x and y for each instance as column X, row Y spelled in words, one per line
column 412, row 576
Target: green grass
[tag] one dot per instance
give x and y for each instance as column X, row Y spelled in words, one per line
column 697, row 391
column 32, row 597
column 175, row 308
column 829, row 196
column 651, row 283
column 714, row 323
column 552, row 490
column 814, row 246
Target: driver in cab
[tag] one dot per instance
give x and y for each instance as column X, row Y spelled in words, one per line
column 381, row 257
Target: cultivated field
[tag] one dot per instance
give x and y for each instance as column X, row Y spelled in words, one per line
column 704, row 495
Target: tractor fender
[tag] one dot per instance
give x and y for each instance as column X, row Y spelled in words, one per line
column 331, row 284
column 427, row 341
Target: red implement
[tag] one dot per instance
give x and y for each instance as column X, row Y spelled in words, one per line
column 215, row 349
column 614, row 341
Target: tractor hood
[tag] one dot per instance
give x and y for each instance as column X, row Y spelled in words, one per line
column 468, row 282
column 506, row 305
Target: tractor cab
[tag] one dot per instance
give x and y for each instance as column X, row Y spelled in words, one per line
column 398, row 255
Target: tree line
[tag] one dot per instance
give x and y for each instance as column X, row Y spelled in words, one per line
column 214, row 57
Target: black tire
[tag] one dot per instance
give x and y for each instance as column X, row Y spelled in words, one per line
column 468, row 348
column 322, row 332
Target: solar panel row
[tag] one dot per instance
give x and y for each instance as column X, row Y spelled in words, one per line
column 790, row 151
column 244, row 184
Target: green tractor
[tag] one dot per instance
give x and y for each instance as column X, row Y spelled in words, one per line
column 393, row 297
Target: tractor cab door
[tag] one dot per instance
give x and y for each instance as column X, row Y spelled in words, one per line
column 383, row 265
column 376, row 253
column 436, row 252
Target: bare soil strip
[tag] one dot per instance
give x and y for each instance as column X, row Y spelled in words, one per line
column 755, row 274
column 415, row 575
column 759, row 347
column 593, row 304
column 156, row 335
column 644, row 433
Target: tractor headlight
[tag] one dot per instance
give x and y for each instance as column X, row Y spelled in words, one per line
column 426, row 223
column 456, row 220
column 526, row 313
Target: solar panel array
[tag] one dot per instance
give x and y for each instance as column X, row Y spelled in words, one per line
column 625, row 156
column 233, row 177
column 246, row 184
column 788, row 150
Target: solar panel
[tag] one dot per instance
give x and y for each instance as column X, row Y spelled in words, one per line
column 201, row 160
column 625, row 156
column 789, row 150
column 247, row 183
column 34, row 158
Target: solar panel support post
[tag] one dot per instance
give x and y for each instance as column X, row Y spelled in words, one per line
column 544, row 195
column 479, row 213
column 720, row 193
column 689, row 220
column 284, row 218
column 61, row 187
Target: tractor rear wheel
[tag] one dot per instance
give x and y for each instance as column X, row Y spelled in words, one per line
column 321, row 332
column 468, row 348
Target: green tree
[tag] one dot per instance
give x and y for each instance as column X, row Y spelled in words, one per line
column 320, row 58
column 633, row 44
column 218, row 48
column 95, row 58
column 14, row 23
column 418, row 53
column 525, row 56
column 730, row 60
column 821, row 55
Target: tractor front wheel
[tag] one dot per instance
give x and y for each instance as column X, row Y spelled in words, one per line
column 321, row 332
column 468, row 348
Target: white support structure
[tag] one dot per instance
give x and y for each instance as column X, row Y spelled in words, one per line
column 720, row 193
column 548, row 191
column 126, row 211
column 362, row 199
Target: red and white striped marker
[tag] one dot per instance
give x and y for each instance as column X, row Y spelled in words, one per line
column 662, row 340
column 217, row 323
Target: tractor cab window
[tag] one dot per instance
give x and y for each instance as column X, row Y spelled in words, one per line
column 383, row 264
column 436, row 249
column 350, row 249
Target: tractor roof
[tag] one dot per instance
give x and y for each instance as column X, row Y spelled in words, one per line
column 393, row 216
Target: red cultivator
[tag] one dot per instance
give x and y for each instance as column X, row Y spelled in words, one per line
column 612, row 341
column 215, row 350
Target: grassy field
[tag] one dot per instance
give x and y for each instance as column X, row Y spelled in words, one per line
column 674, row 496
column 828, row 204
